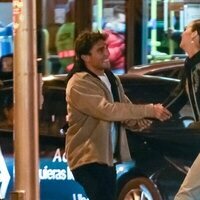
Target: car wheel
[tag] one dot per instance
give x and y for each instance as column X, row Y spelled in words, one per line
column 139, row 188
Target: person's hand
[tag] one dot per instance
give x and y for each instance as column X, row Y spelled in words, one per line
column 143, row 124
column 161, row 112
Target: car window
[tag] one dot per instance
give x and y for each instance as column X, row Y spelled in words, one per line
column 52, row 115
column 147, row 89
column 170, row 69
column 169, row 72
column 53, row 112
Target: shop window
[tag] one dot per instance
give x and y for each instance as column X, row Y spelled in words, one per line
column 166, row 21
column 109, row 17
column 58, row 34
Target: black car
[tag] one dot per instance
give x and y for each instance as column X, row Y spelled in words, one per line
column 170, row 69
column 160, row 154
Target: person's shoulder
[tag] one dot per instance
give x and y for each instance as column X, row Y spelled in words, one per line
column 82, row 80
column 78, row 77
column 66, row 27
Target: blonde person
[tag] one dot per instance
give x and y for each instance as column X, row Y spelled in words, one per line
column 189, row 89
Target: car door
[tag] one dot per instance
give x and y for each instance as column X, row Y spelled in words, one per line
column 147, row 89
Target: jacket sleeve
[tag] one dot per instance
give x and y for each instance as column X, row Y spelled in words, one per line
column 89, row 98
column 177, row 98
column 131, row 123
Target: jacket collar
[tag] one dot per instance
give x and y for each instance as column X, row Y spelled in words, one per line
column 191, row 62
column 112, row 79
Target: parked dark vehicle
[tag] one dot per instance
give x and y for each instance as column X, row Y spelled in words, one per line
column 160, row 154
column 170, row 69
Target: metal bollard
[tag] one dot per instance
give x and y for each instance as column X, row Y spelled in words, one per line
column 18, row 195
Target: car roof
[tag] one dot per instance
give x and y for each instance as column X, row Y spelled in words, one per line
column 156, row 67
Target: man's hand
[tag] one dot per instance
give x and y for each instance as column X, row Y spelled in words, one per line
column 143, row 124
column 161, row 112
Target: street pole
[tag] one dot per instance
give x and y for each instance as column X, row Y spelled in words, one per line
column 26, row 135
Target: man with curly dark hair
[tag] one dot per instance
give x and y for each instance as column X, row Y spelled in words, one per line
column 98, row 112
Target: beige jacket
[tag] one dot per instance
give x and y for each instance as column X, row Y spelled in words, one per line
column 90, row 111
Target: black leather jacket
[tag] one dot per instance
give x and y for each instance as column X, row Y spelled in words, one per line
column 188, row 89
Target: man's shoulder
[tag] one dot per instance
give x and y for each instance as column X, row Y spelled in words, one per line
column 80, row 75
column 80, row 78
column 83, row 81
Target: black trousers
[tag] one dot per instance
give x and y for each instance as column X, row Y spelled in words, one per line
column 98, row 181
